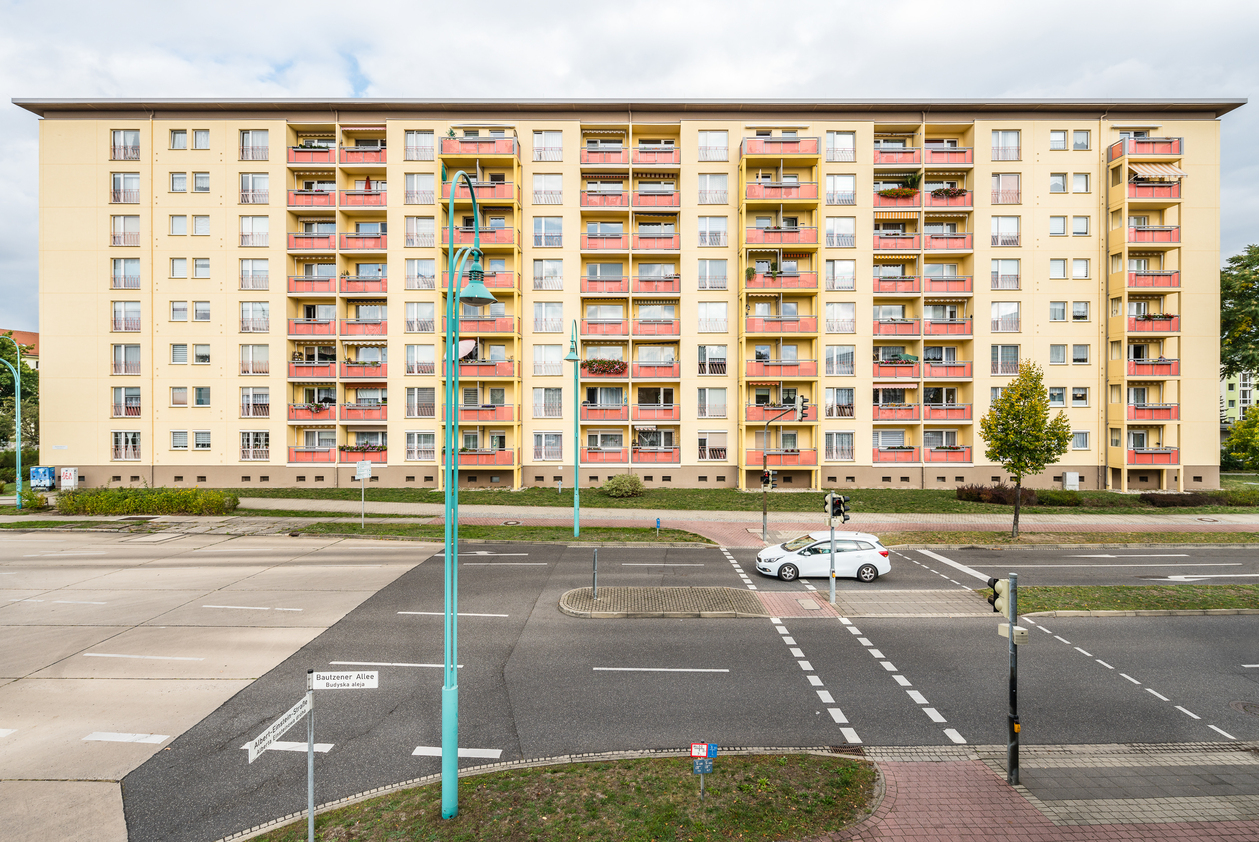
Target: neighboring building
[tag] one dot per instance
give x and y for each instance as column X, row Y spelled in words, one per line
column 29, row 340
column 1237, row 394
column 720, row 258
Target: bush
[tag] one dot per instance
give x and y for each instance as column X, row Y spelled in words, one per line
column 1193, row 499
column 146, row 501
column 33, row 500
column 624, row 485
column 1056, row 497
column 8, row 459
column 8, row 475
column 1002, row 495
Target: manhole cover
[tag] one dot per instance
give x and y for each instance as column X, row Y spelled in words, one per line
column 511, row 523
column 1251, row 708
column 1207, row 520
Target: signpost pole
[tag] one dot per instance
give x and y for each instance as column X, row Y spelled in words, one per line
column 1012, row 749
column 310, row 757
column 832, row 519
column 362, row 515
column 596, row 581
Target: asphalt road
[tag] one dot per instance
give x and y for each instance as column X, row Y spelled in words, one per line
column 1091, row 566
column 536, row 682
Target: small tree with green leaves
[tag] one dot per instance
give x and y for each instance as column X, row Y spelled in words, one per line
column 1020, row 435
column 1242, row 445
column 1239, row 313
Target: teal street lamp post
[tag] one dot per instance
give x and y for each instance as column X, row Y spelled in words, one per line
column 17, row 409
column 576, row 361
column 476, row 294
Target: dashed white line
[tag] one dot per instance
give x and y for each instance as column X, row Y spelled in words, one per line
column 825, row 696
column 140, row 657
column 864, row 641
column 1082, row 652
column 77, row 602
column 902, row 681
column 934, row 715
column 805, row 665
column 1103, row 663
column 1187, row 712
column 654, row 669
column 239, row 607
column 917, row 697
column 436, row 751
column 385, row 664
column 441, row 614
column 952, row 734
column 1045, row 630
column 1157, row 694
column 876, row 653
column 288, row 745
column 854, row 630
column 1063, row 639
column 888, row 665
column 4, row 732
column 780, row 629
column 797, row 653
column 1130, row 678
column 1225, row 733
column 851, row 736
column 838, row 716
column 111, row 737
column 847, row 622
column 815, row 681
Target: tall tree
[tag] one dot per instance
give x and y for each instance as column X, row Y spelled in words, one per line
column 1241, row 448
column 30, row 377
column 1020, row 435
column 1239, row 313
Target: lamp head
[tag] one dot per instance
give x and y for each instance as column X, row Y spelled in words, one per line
column 475, row 292
column 572, row 353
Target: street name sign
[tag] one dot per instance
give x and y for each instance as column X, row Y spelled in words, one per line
column 363, row 470
column 278, row 728
column 346, row 680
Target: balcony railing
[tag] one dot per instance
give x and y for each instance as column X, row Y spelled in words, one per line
column 840, row 410
column 127, row 410
column 713, row 197
column 781, row 236
column 888, row 368
column 657, row 327
column 668, row 370
column 255, row 366
column 898, row 155
column 780, row 324
column 255, row 240
column 364, row 242
column 364, row 155
column 255, row 325
column 126, row 454
column 480, row 146
column 913, row 201
column 796, row 280
column 126, row 367
column 935, row 284
column 420, row 239
column 363, row 199
column 418, row 153
column 946, row 454
column 364, row 283
column 548, row 153
column 312, row 454
column 713, row 153
column 710, row 239
column 487, row 324
column 493, row 280
column 895, row 242
column 548, row 369
column 418, row 197
column 1153, row 456
column 320, row 413
column 1007, row 153
column 658, row 284
column 124, row 238
column 312, row 283
column 896, row 454
column 840, row 241
column 605, row 327
column 1143, row 279
column 946, row 412
column 841, row 325
column 421, row 282
column 710, row 410
column 599, row 286
column 952, row 370
column 255, row 153
column 312, row 155
column 604, row 242
column 305, row 370
column 1146, row 146
column 1006, row 324
column 841, row 197
column 895, row 412
column 656, row 412
column 1005, row 240
column 653, row 199
column 486, row 191
column 421, row 325
column 712, row 367
column 548, row 410
column 947, row 327
column 606, row 155
column 713, row 326
column 779, row 147
column 421, row 454
column 1154, row 234
column 897, row 285
column 840, row 368
column 364, row 327
column 255, row 197
column 476, row 458
column 1154, row 324
column 312, row 198
column 948, row 155
column 1153, row 189
column 712, row 454
column 1154, row 412
column 781, row 191
column 946, row 242
column 124, row 197
column 1005, row 281
column 351, row 455
column 416, row 409
column 486, row 412
column 124, row 153
column 668, row 242
column 548, row 454
column 781, row 368
column 613, row 372
column 487, row 368
column 962, row 200
column 841, row 153
column 1007, row 197
column 313, row 242
column 897, row 327
column 839, row 453
column 771, row 412
column 128, row 282
column 602, row 199
column 657, row 155
column 376, row 371
column 545, row 325
column 254, row 280
column 655, row 455
column 364, row 412
column 777, row 458
column 125, row 325
column 422, row 367
column 1160, row 367
column 604, row 455
column 841, row 282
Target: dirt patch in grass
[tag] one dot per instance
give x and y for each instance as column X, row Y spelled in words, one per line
column 1034, row 538
column 508, row 533
column 755, row 799
column 1135, row 598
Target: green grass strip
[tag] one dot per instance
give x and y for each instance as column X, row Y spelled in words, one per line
column 48, row 524
column 508, row 533
column 1190, row 597
column 1030, row 539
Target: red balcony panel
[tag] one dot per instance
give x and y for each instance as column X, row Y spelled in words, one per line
column 312, row 454
column 1153, row 368
column 364, row 327
column 364, row 242
column 766, row 412
column 360, row 285
column 897, row 327
column 948, row 155
column 487, row 368
column 308, row 283
column 499, row 191
column 801, row 280
column 1136, row 324
column 657, row 327
column 1154, row 412
column 593, row 327
column 1146, row 146
column 349, row 456
column 375, row 371
column 1154, row 234
column 363, row 199
column 605, row 156
column 1154, row 190
column 313, row 242
column 476, row 458
column 364, row 412
column 312, row 199
column 312, row 155
column 320, row 414
column 896, row 242
column 480, row 146
column 899, row 285
column 962, row 200
column 605, row 242
column 658, row 241
column 946, row 412
column 787, row 191
column 665, row 155
column 891, row 412
column 898, row 201
column 606, row 285
column 604, row 200
column 799, row 324
column 937, row 284
column 780, row 146
column 312, row 327
column 948, row 241
column 782, row 236
column 307, row 370
column 946, row 454
column 363, row 155
column 671, row 284
column 945, row 371
column 947, row 327
column 590, row 412
column 784, row 369
column 478, row 414
column 658, row 371
column 898, row 156
column 657, row 200
column 656, row 455
column 780, row 458
column 643, row 412
column 488, row 324
column 1153, row 279
column 595, row 456
column 896, row 454
column 888, row 369
column 493, row 280
column 1155, row 456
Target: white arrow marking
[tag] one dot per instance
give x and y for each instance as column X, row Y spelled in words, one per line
column 1136, row 555
column 962, row 567
column 436, row 751
column 1208, row 576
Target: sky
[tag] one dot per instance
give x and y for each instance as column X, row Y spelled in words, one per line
column 623, row 48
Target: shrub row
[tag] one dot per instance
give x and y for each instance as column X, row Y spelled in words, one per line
column 1000, row 494
column 1226, row 497
column 146, row 501
column 624, row 485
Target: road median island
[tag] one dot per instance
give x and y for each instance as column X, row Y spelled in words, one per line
column 752, row 797
column 471, row 532
column 1137, row 600
column 622, row 603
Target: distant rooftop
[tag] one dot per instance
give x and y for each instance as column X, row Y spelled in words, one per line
column 25, row 338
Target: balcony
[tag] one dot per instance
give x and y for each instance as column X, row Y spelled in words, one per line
column 779, row 147
column 249, row 280
column 312, row 155
column 364, row 327
column 317, row 413
column 835, row 240
column 505, row 457
column 950, row 284
column 897, row 285
column 604, row 455
column 484, row 413
column 658, row 242
column 129, row 282
column 126, row 410
column 605, row 369
column 1150, row 279
column 947, row 370
column 601, row 199
column 656, row 412
column 895, row 370
column 255, row 325
column 948, row 242
column 1007, row 197
column 313, row 242
column 897, row 155
column 312, row 283
column 1005, row 281
column 652, row 199
column 375, row 371
column 493, row 280
column 303, row 370
column 326, row 455
column 657, row 155
column 781, row 369
column 1160, row 367
column 364, row 412
column 605, row 242
column 786, row 191
column 363, row 283
column 605, row 286
column 948, row 155
column 1154, row 323
column 949, row 199
column 1153, row 456
column 897, row 327
column 605, row 327
column 312, row 199
column 896, row 454
column 894, row 412
column 613, row 155
column 777, row 413
column 781, row 236
column 363, row 199
column 799, row 280
column 423, row 367
column 658, row 284
column 947, row 327
column 1154, row 190
column 1154, row 412
column 895, row 201
column 773, row 458
column 350, row 455
column 946, row 454
column 486, row 324
column 1154, row 234
column 478, row 146
column 363, row 155
column 124, row 238
column 1146, row 146
column 780, row 324
column 841, row 410
column 364, row 242
column 895, row 242
column 657, row 327
column 657, row 371
column 656, row 455
column 946, row 412
column 486, row 191
column 487, row 368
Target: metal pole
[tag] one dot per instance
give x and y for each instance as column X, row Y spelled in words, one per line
column 832, row 519
column 765, row 485
column 596, row 573
column 576, row 441
column 362, row 519
column 17, row 410
column 1012, row 747
column 310, row 757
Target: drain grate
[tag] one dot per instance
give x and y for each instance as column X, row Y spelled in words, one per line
column 511, row 523
column 1251, row 708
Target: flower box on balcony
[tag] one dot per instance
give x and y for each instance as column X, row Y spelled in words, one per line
column 604, row 368
column 897, row 197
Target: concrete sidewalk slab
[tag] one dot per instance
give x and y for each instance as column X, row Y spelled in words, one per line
column 67, row 811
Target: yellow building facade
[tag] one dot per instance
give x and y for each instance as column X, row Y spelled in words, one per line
column 253, row 292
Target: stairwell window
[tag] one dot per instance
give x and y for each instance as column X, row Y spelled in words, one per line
column 179, row 139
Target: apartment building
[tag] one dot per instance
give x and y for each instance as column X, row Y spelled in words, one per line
column 222, row 295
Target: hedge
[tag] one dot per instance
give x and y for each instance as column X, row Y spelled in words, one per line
column 146, row 501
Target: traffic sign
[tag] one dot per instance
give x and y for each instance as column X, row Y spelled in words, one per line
column 702, row 766
column 699, row 749
column 346, row 680
column 363, row 470
column 278, row 728
column 712, row 750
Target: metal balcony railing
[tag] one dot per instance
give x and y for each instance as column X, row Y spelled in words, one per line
column 255, row 153
column 841, row 154
column 421, row 367
column 255, row 325
column 255, row 410
column 896, row 454
column 946, row 412
column 419, row 153
column 1154, row 234
column 713, row 454
column 127, row 410
column 421, row 410
column 548, row 153
column 363, row 199
column 124, row 197
column 1005, row 239
column 124, row 281
column 312, row 198
column 548, row 369
column 421, row 282
column 657, row 199
column 125, row 325
column 255, row 367
column 841, row 325
column 255, row 280
column 841, row 282
column 124, row 238
column 548, row 454
column 712, row 367
column 420, row 239
column 896, row 285
column 1146, row 146
column 126, row 454
column 124, row 153
column 712, row 326
column 604, row 199
column 255, row 197
column 548, row 410
column 713, row 153
column 838, row 368
column 841, row 241
column 1005, row 367
column 710, row 410
column 418, row 197
column 259, row 239
column 420, row 325
column 712, row 238
column 841, row 197
column 713, row 197
column 947, row 370
column 1153, row 456
column 1154, row 412
column 548, row 240
column 421, row 454
column 1006, row 324
column 840, row 410
column 839, row 453
column 126, row 368
column 1007, row 153
column 1007, row 197
column 1005, row 281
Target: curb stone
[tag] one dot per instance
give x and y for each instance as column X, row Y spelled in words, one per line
column 1150, row 612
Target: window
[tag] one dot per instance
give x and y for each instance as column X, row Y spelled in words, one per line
column 200, row 354
column 1005, row 146
column 178, row 139
column 1079, row 396
column 200, row 395
column 1057, row 140
column 1080, row 267
column 201, row 267
column 548, row 189
column 1080, row 182
column 419, row 146
column 179, row 182
column 200, row 138
column 712, row 274
column 712, row 188
column 255, row 230
column 1005, row 316
column 1058, row 226
column 839, row 360
column 840, row 231
column 1005, row 359
column 1079, row 311
column 201, row 182
column 839, row 447
column 1080, row 354
column 178, row 226
column 1057, row 182
column 548, row 231
column 1057, row 269
column 712, row 317
column 1058, row 395
column 995, row 392
column 1005, row 230
column 711, row 403
column 178, row 354
column 841, row 146
column 1057, row 354
column 1080, row 440
column 1057, row 311
column 1080, row 139
column 201, row 311
column 201, row 226
column 712, row 359
column 548, row 146
column 1080, row 226
column 201, row 440
column 179, row 311
column 178, row 439
column 713, row 146
column 254, row 145
column 712, row 230
column 841, row 190
column 178, row 395
column 548, row 317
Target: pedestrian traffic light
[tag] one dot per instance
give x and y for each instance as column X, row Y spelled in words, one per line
column 765, row 478
column 1000, row 599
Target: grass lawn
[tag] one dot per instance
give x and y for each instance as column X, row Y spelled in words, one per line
column 1134, row 598
column 754, row 799
column 1032, row 538
column 46, row 524
column 508, row 533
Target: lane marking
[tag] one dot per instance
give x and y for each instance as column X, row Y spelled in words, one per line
column 1219, row 731
column 504, row 563
column 962, row 567
column 1045, row 630
column 654, row 669
column 77, row 602
column 290, row 609
column 797, row 653
column 887, row 665
column 838, row 716
column 1130, row 678
column 140, row 657
column 917, row 697
column 659, row 564
column 850, row 736
column 1187, row 712
column 864, row 641
column 25, row 600
column 111, row 737
column 1147, row 564
column 780, row 629
column 1103, row 663
column 384, row 664
column 848, row 622
column 934, row 714
column 443, row 614
column 1200, row 576
column 239, row 607
column 58, row 555
column 287, row 745
column 790, row 641
column 1137, row 555
column 876, row 653
column 1250, row 666
column 854, row 630
column 805, row 665
column 825, row 696
column 1157, row 694
column 480, row 553
column 952, row 734
column 815, row 681
column 436, row 751
column 1063, row 639
column 902, row 681
column 4, row 732
column 1082, row 652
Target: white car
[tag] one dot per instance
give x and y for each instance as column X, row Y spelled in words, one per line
column 858, row 555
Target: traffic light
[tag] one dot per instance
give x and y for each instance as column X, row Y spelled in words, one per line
column 828, row 504
column 1000, row 599
column 841, row 508
column 766, row 478
column 802, row 407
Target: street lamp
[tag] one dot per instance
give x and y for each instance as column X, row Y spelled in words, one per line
column 576, row 361
column 476, row 294
column 17, row 409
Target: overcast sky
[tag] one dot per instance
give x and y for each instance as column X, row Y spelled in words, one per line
column 679, row 48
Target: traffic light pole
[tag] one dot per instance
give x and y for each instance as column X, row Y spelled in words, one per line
column 764, row 482
column 1012, row 747
column 832, row 519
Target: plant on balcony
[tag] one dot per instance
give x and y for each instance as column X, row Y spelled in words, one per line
column 1155, row 317
column 947, row 447
column 315, row 408
column 749, row 273
column 363, row 448
column 898, row 447
column 949, row 192
column 604, row 366
column 899, row 192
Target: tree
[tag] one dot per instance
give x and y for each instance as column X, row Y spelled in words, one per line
column 1021, row 436
column 30, row 377
column 1239, row 313
column 30, row 397
column 30, row 422
column 1242, row 444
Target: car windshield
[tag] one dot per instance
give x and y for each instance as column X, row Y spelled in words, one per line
column 798, row 543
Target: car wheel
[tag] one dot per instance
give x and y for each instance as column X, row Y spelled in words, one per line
column 788, row 572
column 867, row 573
